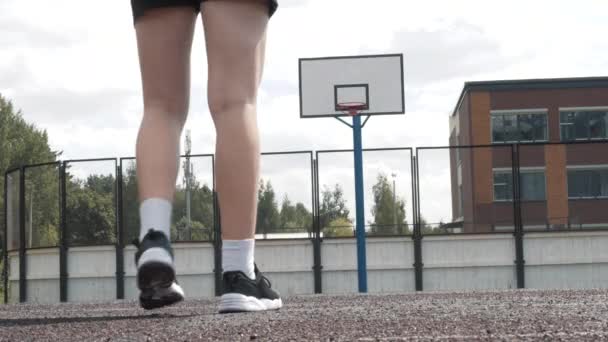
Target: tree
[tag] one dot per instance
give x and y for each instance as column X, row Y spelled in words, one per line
column 42, row 206
column 268, row 218
column 103, row 184
column 201, row 212
column 193, row 204
column 339, row 227
column 183, row 230
column 333, row 206
column 294, row 218
column 303, row 217
column 90, row 210
column 130, row 204
column 388, row 210
column 288, row 215
column 23, row 144
column 201, row 216
column 428, row 229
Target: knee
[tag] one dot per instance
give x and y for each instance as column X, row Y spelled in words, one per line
column 172, row 110
column 230, row 102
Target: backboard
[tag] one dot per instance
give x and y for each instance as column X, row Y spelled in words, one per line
column 375, row 80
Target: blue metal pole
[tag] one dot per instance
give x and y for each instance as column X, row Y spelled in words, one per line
column 360, row 229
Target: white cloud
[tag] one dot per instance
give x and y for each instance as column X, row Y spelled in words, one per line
column 72, row 67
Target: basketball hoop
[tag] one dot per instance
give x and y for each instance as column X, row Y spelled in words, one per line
column 351, row 108
column 353, row 86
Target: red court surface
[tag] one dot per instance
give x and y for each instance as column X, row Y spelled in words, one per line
column 528, row 315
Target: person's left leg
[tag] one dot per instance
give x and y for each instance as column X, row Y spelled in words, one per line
column 164, row 40
column 235, row 33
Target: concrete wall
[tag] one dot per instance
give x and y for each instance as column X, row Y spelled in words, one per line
column 91, row 273
column 13, row 277
column 389, row 263
column 288, row 264
column 566, row 260
column 466, row 262
column 42, row 274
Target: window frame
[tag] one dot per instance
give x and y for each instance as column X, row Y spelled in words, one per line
column 591, row 167
column 494, row 184
column 581, row 110
column 518, row 113
column 530, row 169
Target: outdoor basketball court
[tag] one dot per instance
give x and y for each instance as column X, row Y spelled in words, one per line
column 565, row 315
column 350, row 89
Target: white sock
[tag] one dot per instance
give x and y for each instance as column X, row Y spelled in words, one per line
column 237, row 255
column 155, row 213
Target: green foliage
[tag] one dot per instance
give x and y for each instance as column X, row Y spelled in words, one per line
column 199, row 226
column 340, row 227
column 289, row 219
column 201, row 223
column 428, row 229
column 193, row 231
column 130, row 203
column 295, row 218
column 48, row 235
column 100, row 183
column 333, row 206
column 12, row 211
column 388, row 211
column 22, row 144
column 90, row 211
column 268, row 218
column 42, row 206
column 201, row 216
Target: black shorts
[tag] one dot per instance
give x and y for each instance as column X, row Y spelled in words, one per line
column 140, row 6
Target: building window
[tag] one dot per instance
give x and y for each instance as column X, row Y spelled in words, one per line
column 583, row 124
column 532, row 185
column 588, row 183
column 519, row 126
column 503, row 186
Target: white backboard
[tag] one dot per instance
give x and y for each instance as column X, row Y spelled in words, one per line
column 376, row 80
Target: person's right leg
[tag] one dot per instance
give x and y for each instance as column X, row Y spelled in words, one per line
column 235, row 33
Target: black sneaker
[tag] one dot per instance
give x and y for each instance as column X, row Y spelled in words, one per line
column 155, row 271
column 161, row 296
column 242, row 294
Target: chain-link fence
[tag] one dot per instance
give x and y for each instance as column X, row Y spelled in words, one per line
column 388, row 198
column 494, row 189
column 193, row 215
column 90, row 202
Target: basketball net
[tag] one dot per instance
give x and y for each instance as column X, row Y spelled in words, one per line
column 351, row 108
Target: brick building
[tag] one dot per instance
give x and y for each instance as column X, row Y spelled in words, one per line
column 560, row 127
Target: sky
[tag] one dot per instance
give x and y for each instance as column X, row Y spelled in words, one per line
column 72, row 69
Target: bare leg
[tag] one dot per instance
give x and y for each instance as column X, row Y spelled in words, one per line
column 164, row 40
column 235, row 34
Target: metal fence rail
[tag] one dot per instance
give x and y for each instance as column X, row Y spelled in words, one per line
column 502, row 208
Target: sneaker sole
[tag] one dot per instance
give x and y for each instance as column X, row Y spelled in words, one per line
column 236, row 302
column 159, row 297
column 155, row 269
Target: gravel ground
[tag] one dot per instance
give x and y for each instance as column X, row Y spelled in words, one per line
column 528, row 315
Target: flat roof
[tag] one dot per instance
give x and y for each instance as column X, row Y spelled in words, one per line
column 538, row 83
